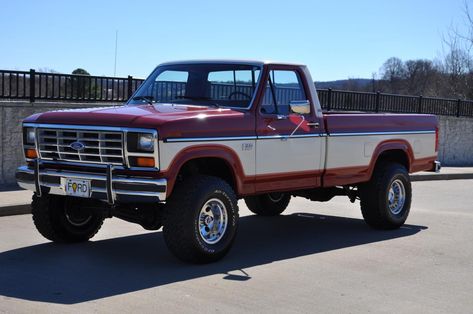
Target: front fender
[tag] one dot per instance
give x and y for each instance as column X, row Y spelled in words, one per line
column 208, row 151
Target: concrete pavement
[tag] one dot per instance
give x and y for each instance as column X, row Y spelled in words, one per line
column 317, row 257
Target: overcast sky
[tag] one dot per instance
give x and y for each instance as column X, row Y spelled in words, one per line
column 337, row 39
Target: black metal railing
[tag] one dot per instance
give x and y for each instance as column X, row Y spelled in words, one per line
column 32, row 86
column 337, row 100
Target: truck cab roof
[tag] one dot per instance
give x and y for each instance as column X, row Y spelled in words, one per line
column 231, row 61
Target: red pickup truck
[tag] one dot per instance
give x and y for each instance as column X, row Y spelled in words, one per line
column 199, row 135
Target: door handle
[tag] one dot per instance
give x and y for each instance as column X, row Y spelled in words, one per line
column 313, row 124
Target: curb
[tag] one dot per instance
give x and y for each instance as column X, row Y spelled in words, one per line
column 441, row 176
column 15, row 210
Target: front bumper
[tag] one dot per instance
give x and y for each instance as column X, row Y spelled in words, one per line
column 106, row 187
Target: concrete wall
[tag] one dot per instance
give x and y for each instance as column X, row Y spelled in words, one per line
column 456, row 135
column 456, row 141
column 11, row 115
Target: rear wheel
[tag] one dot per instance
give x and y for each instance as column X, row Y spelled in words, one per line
column 201, row 219
column 271, row 204
column 386, row 199
column 62, row 219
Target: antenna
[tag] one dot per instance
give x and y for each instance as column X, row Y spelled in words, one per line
column 116, row 45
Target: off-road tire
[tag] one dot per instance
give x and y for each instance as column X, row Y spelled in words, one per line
column 268, row 204
column 49, row 217
column 374, row 197
column 181, row 219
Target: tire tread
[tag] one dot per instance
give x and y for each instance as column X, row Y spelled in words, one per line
column 43, row 210
column 177, row 232
column 371, row 195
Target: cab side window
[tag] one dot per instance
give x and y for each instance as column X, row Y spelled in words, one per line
column 282, row 87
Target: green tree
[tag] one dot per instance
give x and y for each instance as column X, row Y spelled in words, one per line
column 80, row 71
column 81, row 84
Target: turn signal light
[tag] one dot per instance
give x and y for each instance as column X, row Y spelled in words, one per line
column 31, row 153
column 144, row 161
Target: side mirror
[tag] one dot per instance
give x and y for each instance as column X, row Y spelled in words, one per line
column 300, row 106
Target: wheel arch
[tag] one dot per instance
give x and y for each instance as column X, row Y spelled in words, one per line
column 399, row 151
column 217, row 160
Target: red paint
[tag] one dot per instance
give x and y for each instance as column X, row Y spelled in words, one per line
column 175, row 121
column 290, row 181
column 423, row 164
column 296, row 120
column 243, row 184
column 186, row 121
column 346, row 175
column 269, row 124
column 371, row 122
column 391, row 145
column 172, row 121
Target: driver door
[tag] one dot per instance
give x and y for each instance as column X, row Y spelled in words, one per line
column 289, row 146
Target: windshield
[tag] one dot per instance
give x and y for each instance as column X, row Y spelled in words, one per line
column 219, row 85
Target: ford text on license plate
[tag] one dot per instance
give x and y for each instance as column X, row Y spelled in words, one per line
column 77, row 187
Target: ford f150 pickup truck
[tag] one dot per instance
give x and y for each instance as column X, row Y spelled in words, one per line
column 199, row 135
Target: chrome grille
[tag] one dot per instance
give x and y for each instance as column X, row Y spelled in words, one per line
column 99, row 146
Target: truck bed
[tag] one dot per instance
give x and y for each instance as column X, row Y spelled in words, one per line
column 355, row 139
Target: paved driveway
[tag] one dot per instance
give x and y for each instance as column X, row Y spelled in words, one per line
column 318, row 257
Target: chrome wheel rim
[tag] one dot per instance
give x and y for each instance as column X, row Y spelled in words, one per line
column 275, row 197
column 213, row 220
column 396, row 197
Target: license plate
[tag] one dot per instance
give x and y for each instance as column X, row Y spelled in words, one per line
column 77, row 187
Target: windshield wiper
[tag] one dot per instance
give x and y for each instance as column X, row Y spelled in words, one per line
column 148, row 99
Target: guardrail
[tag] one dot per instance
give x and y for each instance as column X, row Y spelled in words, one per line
column 381, row 102
column 32, row 86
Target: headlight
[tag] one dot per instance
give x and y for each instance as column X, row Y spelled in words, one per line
column 30, row 136
column 146, row 142
column 142, row 149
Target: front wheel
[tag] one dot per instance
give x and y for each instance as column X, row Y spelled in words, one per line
column 67, row 220
column 386, row 199
column 201, row 219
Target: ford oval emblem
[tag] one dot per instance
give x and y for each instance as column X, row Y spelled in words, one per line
column 78, row 146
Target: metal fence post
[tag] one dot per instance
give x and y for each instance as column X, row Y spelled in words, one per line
column 459, row 101
column 420, row 104
column 32, row 85
column 130, row 89
column 377, row 101
column 329, row 99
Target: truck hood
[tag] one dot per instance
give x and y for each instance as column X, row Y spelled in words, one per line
column 171, row 120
